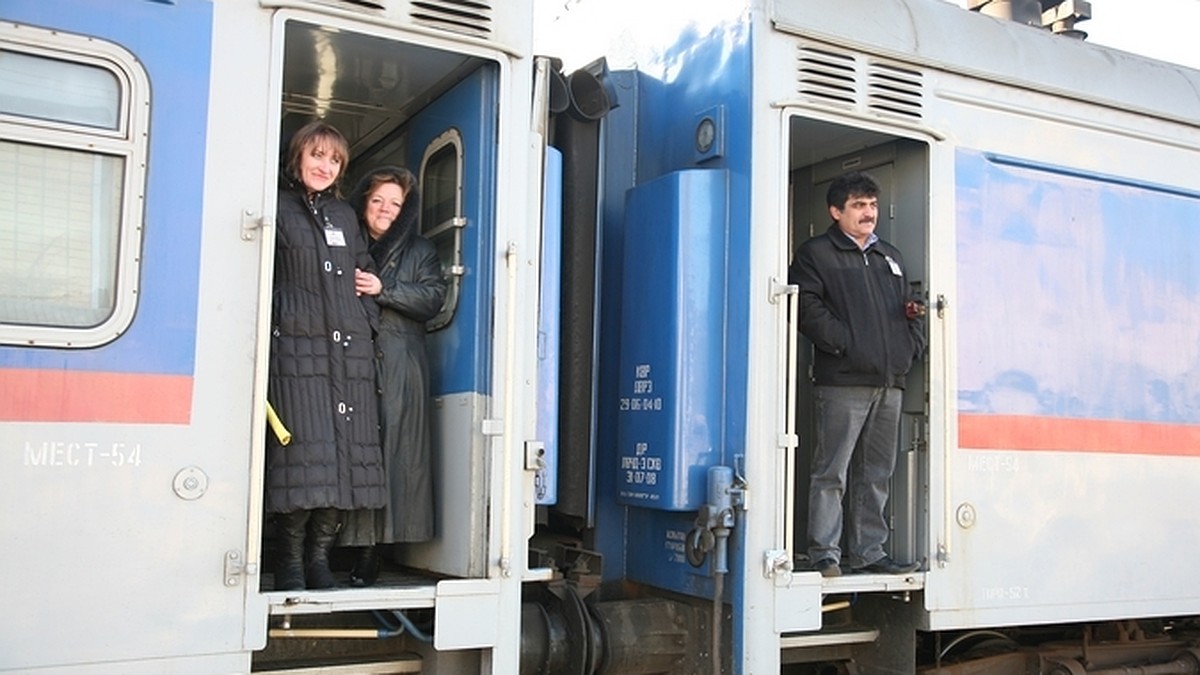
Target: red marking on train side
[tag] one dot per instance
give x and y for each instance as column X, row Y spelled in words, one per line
column 1028, row 432
column 31, row 395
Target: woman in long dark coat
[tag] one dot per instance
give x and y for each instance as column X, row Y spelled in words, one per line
column 388, row 205
column 322, row 369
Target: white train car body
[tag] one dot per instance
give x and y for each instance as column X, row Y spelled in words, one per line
column 142, row 142
column 1040, row 189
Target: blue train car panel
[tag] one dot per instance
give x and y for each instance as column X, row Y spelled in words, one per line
column 659, row 543
column 549, row 331
column 142, row 371
column 1100, row 304
column 459, row 353
column 671, row 367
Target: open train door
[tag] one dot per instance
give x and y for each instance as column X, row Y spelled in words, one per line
column 455, row 122
column 453, row 148
column 127, row 335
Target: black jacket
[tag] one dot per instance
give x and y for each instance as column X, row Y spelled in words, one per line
column 852, row 309
column 322, row 379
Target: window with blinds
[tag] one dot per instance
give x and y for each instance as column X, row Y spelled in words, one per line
column 68, row 221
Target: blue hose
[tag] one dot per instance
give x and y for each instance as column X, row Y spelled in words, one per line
column 412, row 629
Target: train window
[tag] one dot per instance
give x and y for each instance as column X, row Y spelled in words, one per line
column 442, row 221
column 73, row 125
column 60, row 212
column 61, row 91
column 440, row 183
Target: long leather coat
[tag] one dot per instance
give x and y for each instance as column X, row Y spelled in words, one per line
column 322, row 379
column 414, row 289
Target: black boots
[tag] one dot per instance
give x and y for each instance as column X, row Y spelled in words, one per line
column 366, row 567
column 289, row 572
column 305, row 539
column 323, row 525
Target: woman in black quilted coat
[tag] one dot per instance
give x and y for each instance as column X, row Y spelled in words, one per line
column 322, row 379
column 388, row 203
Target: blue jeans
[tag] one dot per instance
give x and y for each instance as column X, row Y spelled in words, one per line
column 857, row 432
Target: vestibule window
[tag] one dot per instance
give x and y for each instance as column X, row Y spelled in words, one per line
column 442, row 221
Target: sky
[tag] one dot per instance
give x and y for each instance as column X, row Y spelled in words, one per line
column 1161, row 29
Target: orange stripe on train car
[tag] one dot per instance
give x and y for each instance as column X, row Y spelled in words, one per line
column 33, row 395
column 1028, row 432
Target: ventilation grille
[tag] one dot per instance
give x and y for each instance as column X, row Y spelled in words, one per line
column 468, row 17
column 856, row 82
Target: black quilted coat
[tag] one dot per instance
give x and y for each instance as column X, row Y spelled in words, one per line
column 322, row 372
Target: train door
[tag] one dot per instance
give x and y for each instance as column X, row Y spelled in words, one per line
column 451, row 109
column 431, row 109
column 820, row 152
column 127, row 318
column 453, row 146
column 452, row 143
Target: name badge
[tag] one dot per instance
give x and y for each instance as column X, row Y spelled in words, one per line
column 334, row 237
column 895, row 267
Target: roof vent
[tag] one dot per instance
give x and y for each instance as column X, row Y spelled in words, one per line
column 830, row 77
column 469, row 17
column 893, row 91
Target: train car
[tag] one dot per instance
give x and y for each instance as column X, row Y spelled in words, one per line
column 622, row 401
column 1040, row 190
column 142, row 143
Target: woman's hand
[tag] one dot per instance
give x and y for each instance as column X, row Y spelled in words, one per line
column 366, row 283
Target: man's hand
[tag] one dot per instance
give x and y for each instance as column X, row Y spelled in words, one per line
column 914, row 309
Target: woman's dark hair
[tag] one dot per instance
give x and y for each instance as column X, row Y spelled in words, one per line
column 312, row 135
column 376, row 177
column 405, row 223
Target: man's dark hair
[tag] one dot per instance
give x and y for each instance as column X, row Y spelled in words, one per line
column 851, row 184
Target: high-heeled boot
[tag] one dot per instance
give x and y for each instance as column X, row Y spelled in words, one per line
column 323, row 527
column 290, row 531
column 366, row 567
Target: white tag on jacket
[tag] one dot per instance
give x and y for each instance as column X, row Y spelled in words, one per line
column 335, row 237
column 895, row 267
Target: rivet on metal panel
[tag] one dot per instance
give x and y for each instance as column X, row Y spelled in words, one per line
column 965, row 515
column 190, row 483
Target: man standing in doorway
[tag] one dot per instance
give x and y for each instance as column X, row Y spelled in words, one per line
column 856, row 310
